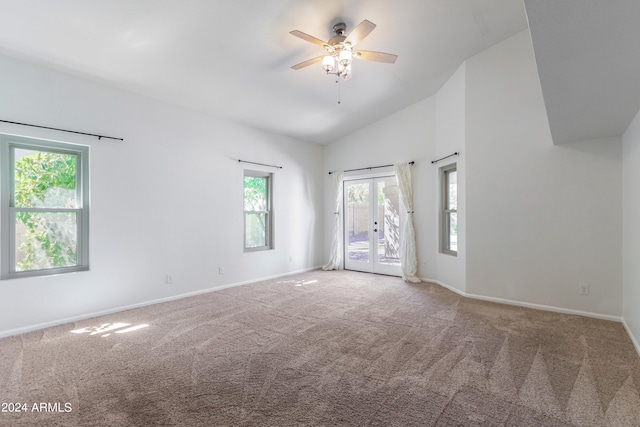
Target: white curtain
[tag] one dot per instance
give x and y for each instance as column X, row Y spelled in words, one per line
column 335, row 256
column 408, row 256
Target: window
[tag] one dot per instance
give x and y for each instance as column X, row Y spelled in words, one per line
column 258, row 217
column 449, row 213
column 44, row 212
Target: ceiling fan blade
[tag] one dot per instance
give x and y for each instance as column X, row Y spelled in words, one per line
column 307, row 37
column 307, row 63
column 361, row 31
column 368, row 55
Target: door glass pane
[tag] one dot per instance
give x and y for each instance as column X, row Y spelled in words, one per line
column 388, row 205
column 358, row 221
column 45, row 240
column 44, row 179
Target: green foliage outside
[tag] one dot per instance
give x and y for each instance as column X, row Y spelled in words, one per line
column 255, row 193
column 46, row 180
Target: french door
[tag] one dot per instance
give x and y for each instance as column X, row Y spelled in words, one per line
column 372, row 225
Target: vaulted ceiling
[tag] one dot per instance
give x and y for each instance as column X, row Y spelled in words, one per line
column 588, row 57
column 232, row 58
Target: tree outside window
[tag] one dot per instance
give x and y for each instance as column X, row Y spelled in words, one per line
column 45, row 239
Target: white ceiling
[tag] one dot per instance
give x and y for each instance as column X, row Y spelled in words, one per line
column 231, row 58
column 588, row 56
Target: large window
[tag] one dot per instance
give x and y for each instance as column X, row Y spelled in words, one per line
column 258, row 217
column 44, row 196
column 449, row 211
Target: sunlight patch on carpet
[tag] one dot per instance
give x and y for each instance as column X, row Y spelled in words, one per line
column 106, row 328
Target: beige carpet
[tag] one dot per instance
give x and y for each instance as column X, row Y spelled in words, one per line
column 324, row 348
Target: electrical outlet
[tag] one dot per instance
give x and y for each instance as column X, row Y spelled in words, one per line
column 290, row 259
column 424, row 263
column 221, row 271
column 168, row 279
column 584, row 289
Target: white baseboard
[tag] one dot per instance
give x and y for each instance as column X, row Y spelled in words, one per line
column 529, row 305
column 635, row 342
column 444, row 285
column 620, row 319
column 30, row 328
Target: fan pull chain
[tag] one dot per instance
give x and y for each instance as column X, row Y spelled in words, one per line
column 339, row 98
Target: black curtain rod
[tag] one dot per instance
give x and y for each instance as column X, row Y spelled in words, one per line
column 62, row 130
column 261, row 164
column 372, row 167
column 450, row 155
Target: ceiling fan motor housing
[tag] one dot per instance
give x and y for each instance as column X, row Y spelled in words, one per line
column 336, row 43
column 339, row 28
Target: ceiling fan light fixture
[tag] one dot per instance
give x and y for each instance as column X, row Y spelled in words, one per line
column 345, row 57
column 328, row 63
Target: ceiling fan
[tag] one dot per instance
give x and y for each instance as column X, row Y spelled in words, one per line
column 340, row 50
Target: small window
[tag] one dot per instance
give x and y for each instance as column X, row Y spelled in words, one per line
column 45, row 207
column 449, row 212
column 258, row 216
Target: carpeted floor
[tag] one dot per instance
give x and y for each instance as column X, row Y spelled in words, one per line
column 324, row 348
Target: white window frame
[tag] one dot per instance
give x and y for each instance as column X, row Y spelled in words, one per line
column 8, row 144
column 268, row 212
column 445, row 211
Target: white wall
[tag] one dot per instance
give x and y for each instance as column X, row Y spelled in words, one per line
column 451, row 138
column 167, row 200
column 631, row 229
column 541, row 218
column 404, row 136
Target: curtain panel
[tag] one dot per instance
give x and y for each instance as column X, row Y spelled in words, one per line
column 335, row 255
column 408, row 253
